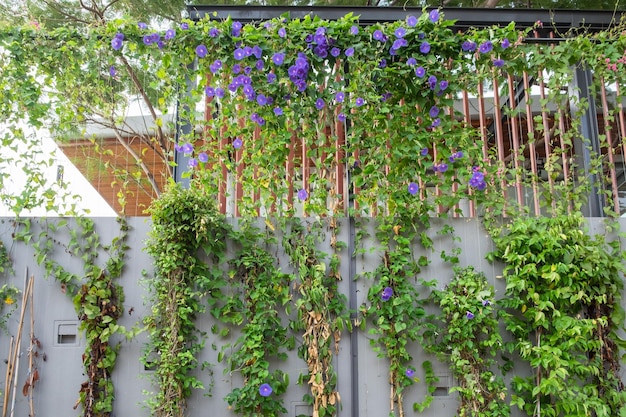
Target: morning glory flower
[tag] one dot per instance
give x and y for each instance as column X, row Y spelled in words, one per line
column 203, row 157
column 142, row 25
column 265, row 390
column 505, row 43
column 340, row 96
column 434, row 111
column 386, row 294
column 319, row 104
column 236, row 28
column 400, row 32
column 411, row 21
column 425, row 47
column 282, row 32
column 478, row 180
column 468, row 46
column 147, row 39
column 411, row 62
column 187, row 148
column 420, row 72
column 278, row 58
column 349, row 52
column 409, row 373
column 239, row 54
column 378, row 35
column 278, row 111
column 201, row 51
column 271, row 77
column 237, row 143
column 440, row 167
column 184, row 26
column 424, row 151
column 170, row 34
column 455, row 156
column 219, row 92
column 193, row 162
column 259, row 65
column 432, row 82
column 341, row 117
column 335, row 52
column 486, row 303
column 359, row 102
column 209, row 91
column 354, row 30
column 469, row 315
column 413, row 188
column 498, row 63
column 302, row 194
column 433, row 15
column 443, row 85
column 436, row 123
column 485, row 47
column 261, row 99
column 382, row 63
column 112, row 71
column 257, row 51
column 214, row 32
column 117, row 41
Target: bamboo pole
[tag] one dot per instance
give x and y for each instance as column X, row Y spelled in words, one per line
column 7, row 378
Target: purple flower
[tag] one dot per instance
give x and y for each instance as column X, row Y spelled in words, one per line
column 359, row 102
column 187, row 148
column 319, row 104
column 440, row 167
column 400, row 32
column 468, row 46
column 411, row 21
column 413, row 188
column 302, row 194
column 237, row 143
column 485, row 47
column 335, row 52
column 354, row 30
column 259, row 65
column 432, row 82
column 193, row 162
column 117, row 41
column 265, row 390
column 443, row 85
column 341, row 117
column 409, row 373
column 209, row 91
column 257, row 51
column 214, row 32
column 424, row 151
column 112, row 71
column 436, row 123
column 382, row 63
column 498, row 63
column 469, row 315
column 349, row 52
column 340, row 96
column 170, row 34
column 378, row 35
column 236, row 69
column 434, row 15
column 239, row 54
column 282, row 32
column 386, row 294
column 271, row 77
column 203, row 157
column 434, row 111
column 486, row 303
column 142, row 25
column 184, row 26
column 455, row 156
column 505, row 43
column 219, row 92
column 411, row 62
column 420, row 72
column 425, row 47
column 201, row 51
column 236, row 28
column 278, row 58
column 147, row 39
column 478, row 180
column 278, row 111
column 261, row 99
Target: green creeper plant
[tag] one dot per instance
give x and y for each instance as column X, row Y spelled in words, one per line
column 186, row 228
column 263, row 289
column 466, row 336
column 321, row 308
column 563, row 290
column 97, row 297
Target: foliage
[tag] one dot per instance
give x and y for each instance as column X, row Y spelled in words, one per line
column 466, row 336
column 8, row 293
column 98, row 299
column 263, row 288
column 563, row 289
column 322, row 316
column 185, row 224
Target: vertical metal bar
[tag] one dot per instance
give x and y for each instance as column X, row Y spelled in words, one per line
column 609, row 139
column 516, row 142
column 291, row 169
column 580, row 90
column 531, row 145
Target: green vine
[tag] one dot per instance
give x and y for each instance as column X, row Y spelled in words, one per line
column 185, row 224
column 264, row 337
column 98, row 299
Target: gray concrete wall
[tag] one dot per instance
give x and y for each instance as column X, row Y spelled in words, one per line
column 62, row 373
